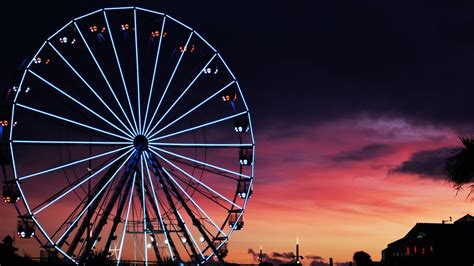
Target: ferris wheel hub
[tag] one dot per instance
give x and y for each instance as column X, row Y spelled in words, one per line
column 141, row 143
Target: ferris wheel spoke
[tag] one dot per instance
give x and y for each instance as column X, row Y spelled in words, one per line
column 200, row 162
column 126, row 222
column 158, row 171
column 201, row 145
column 168, row 84
column 71, row 121
column 156, row 207
column 118, row 214
column 111, row 202
column 78, row 185
column 154, row 73
column 192, row 110
column 121, row 72
column 131, row 129
column 79, row 103
column 194, row 203
column 90, row 88
column 172, row 184
column 149, row 228
column 64, row 142
column 196, row 180
column 138, row 70
column 183, row 93
column 73, row 224
column 145, row 218
column 190, row 236
column 200, row 126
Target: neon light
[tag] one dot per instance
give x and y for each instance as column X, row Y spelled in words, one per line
column 180, row 23
column 126, row 220
column 198, row 127
column 86, row 15
column 78, row 102
column 150, row 11
column 195, row 204
column 200, row 162
column 194, row 108
column 121, row 72
column 96, row 196
column 196, row 180
column 182, row 94
column 119, row 8
column 71, row 142
column 210, row 46
column 158, row 208
column 209, row 145
column 154, row 72
column 70, row 121
column 106, row 80
column 76, row 186
column 167, row 86
column 73, row 163
column 144, row 211
column 50, row 37
column 138, row 75
column 228, row 69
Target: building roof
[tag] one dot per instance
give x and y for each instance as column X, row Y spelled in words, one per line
column 439, row 231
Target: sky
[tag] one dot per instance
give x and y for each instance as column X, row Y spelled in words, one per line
column 355, row 105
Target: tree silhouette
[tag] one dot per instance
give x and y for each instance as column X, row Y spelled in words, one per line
column 100, row 257
column 362, row 258
column 459, row 168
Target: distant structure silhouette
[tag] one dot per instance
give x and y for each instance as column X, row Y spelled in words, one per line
column 434, row 244
column 362, row 258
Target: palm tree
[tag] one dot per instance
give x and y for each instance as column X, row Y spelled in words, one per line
column 459, row 168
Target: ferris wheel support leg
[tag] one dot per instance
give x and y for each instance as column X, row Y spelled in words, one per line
column 118, row 214
column 149, row 225
column 156, row 167
column 155, row 207
column 131, row 167
column 196, row 222
column 84, row 225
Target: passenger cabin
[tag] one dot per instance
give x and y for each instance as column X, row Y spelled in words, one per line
column 246, row 156
column 11, row 193
column 229, row 96
column 26, row 227
column 235, row 221
column 156, row 34
column 222, row 249
column 241, row 124
column 211, row 70
column 191, row 48
column 97, row 29
column 125, row 27
column 244, row 187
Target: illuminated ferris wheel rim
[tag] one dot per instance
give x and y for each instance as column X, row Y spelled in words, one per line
column 136, row 138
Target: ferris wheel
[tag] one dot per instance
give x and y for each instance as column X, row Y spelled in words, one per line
column 132, row 137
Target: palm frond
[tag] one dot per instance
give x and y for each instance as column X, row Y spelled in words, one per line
column 459, row 168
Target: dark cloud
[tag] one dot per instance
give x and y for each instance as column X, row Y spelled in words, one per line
column 284, row 255
column 368, row 152
column 425, row 164
column 313, row 257
column 326, row 60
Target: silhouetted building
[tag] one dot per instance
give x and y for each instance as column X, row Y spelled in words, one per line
column 434, row 244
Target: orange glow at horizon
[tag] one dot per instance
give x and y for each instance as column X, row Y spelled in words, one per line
column 334, row 207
